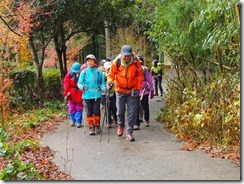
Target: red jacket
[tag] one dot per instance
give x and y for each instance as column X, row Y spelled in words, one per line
column 70, row 86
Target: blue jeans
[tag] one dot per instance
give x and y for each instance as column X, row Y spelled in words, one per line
column 75, row 112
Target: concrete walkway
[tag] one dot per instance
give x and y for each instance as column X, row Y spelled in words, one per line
column 155, row 155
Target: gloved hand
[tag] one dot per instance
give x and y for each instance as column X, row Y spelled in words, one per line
column 109, row 85
column 151, row 94
column 84, row 88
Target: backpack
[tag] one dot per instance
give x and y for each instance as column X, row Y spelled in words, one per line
column 119, row 63
column 144, row 68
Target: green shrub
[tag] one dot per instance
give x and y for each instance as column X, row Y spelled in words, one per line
column 210, row 114
column 23, row 91
column 17, row 170
column 52, row 84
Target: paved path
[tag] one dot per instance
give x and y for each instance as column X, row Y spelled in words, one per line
column 155, row 155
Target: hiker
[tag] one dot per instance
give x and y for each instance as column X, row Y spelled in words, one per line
column 91, row 82
column 103, row 93
column 157, row 75
column 147, row 89
column 111, row 100
column 126, row 74
column 73, row 94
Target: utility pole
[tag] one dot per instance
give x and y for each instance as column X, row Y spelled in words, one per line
column 161, row 57
column 107, row 39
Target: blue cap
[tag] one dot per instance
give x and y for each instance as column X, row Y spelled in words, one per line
column 155, row 61
column 75, row 67
column 126, row 50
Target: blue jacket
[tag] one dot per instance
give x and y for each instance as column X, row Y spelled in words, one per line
column 91, row 82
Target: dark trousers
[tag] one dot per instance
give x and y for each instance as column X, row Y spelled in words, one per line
column 111, row 108
column 93, row 107
column 144, row 103
column 158, row 84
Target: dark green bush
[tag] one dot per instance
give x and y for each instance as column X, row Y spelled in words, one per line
column 52, row 84
column 23, row 91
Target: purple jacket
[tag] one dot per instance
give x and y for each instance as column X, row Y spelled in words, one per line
column 147, row 84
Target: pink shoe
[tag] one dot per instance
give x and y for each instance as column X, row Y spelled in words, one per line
column 120, row 130
column 130, row 137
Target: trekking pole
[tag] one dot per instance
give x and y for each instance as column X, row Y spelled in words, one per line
column 106, row 114
column 107, row 108
column 102, row 125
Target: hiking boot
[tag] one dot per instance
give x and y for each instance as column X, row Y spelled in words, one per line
column 98, row 129
column 78, row 125
column 72, row 123
column 130, row 137
column 147, row 124
column 120, row 130
column 136, row 127
column 92, row 131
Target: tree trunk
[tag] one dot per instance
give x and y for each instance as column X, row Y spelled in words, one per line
column 60, row 59
column 219, row 56
column 38, row 67
column 60, row 47
column 2, row 117
column 107, row 37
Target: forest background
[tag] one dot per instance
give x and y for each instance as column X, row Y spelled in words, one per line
column 39, row 41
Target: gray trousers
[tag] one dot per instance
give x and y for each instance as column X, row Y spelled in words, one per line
column 132, row 109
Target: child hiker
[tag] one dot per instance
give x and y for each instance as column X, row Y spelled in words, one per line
column 91, row 82
column 73, row 94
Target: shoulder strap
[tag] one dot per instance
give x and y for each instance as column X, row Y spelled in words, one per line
column 118, row 63
column 144, row 72
column 71, row 74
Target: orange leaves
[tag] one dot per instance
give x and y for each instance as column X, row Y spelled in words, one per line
column 4, row 85
column 24, row 18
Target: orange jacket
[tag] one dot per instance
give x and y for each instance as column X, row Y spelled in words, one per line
column 126, row 78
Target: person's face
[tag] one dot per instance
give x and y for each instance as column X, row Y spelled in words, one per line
column 91, row 62
column 127, row 58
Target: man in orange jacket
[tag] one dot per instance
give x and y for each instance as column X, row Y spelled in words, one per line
column 127, row 75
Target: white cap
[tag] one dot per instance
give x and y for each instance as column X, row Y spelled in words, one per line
column 107, row 65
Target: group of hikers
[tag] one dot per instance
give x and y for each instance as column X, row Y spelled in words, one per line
column 122, row 82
